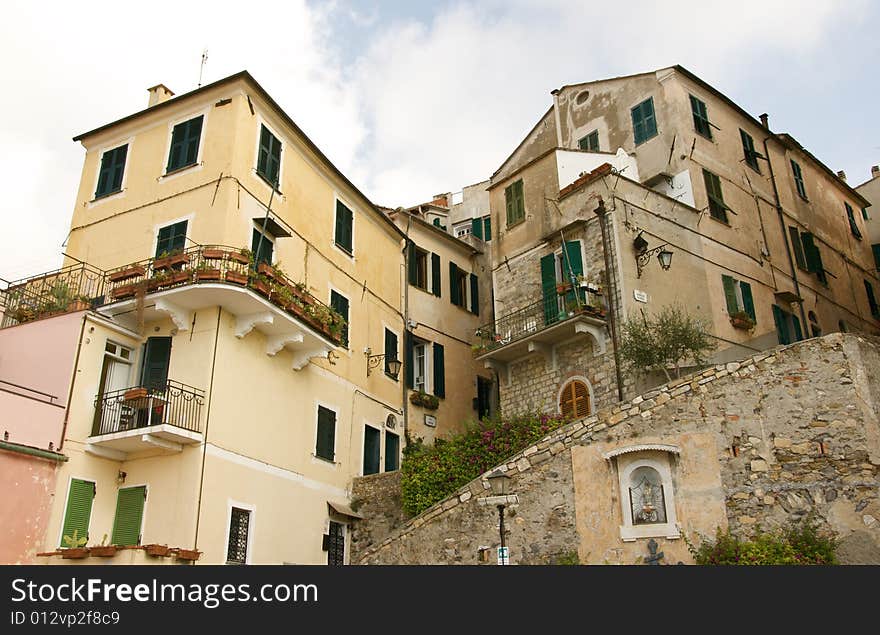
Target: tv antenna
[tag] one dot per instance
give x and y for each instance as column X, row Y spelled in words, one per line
column 202, row 67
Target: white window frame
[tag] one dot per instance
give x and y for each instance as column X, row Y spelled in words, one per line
column 659, row 460
column 198, row 165
column 427, row 347
column 463, row 230
column 188, row 236
column 252, row 514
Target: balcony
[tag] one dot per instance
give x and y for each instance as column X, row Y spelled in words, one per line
column 541, row 326
column 142, row 418
column 260, row 296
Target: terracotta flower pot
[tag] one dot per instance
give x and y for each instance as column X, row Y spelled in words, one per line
column 103, row 551
column 157, row 550
column 134, row 394
column 168, row 262
column 125, row 274
column 75, row 553
column 236, row 278
column 239, row 258
column 125, row 291
column 213, row 254
column 188, row 554
column 207, row 274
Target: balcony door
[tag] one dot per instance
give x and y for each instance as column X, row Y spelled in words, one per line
column 561, row 268
column 115, row 376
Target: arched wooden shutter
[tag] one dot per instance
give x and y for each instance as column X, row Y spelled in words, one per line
column 574, row 402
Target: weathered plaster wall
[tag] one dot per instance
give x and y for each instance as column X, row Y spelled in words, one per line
column 25, row 505
column 761, row 442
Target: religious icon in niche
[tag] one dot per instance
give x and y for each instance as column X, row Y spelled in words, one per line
column 646, row 497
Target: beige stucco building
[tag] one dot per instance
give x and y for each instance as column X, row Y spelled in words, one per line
column 870, row 190
column 221, row 398
column 757, row 236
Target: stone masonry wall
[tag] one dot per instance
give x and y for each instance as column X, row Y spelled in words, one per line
column 795, row 430
column 377, row 497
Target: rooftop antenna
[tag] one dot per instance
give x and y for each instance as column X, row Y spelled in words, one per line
column 202, row 67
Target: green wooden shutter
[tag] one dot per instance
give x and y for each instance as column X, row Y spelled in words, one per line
column 390, row 348
column 129, row 516
column 412, row 264
column 340, row 304
column 781, row 325
column 175, row 154
column 454, row 286
column 520, row 200
column 853, row 226
column 435, row 275
column 548, row 288
column 748, row 303
column 875, row 248
column 798, row 247
column 813, row 257
column 574, row 264
column 509, row 202
column 79, row 509
column 392, row 451
column 326, row 441
column 487, row 228
column 872, row 301
column 477, row 227
column 262, row 247
column 193, row 134
column 439, row 371
column 344, row 221
column 185, row 143
column 171, row 238
column 157, row 357
column 796, row 323
column 730, row 294
column 408, row 359
column 475, row 295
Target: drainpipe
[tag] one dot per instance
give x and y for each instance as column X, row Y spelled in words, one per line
column 785, row 237
column 601, row 212
column 207, row 421
column 405, row 326
column 82, row 331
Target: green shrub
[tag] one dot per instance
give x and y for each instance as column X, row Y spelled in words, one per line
column 799, row 544
column 431, row 473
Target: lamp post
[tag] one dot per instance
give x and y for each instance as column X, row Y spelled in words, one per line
column 498, row 481
column 374, row 360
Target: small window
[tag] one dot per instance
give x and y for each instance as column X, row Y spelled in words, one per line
column 112, row 169
column 717, row 207
column 336, row 544
column 344, row 228
column 171, row 239
column 872, row 301
column 269, row 157
column 458, row 286
column 185, row 144
column 392, row 451
column 325, row 446
column 339, row 303
column 865, row 214
column 798, row 179
column 420, row 366
column 418, row 266
column 514, row 202
column 590, row 142
column 875, row 248
column 129, row 516
column 740, row 304
column 853, row 226
column 701, row 117
column 463, row 230
column 788, row 326
column 390, row 351
column 239, row 529
column 751, row 157
column 813, row 257
column 797, row 247
column 262, row 246
column 372, row 450
column 574, row 400
column 841, row 326
column 644, row 121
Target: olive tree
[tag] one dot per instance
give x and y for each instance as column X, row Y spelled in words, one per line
column 663, row 340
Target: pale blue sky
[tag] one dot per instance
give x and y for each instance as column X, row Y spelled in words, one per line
column 412, row 98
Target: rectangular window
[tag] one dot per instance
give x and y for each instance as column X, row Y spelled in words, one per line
column 439, row 371
column 129, row 515
column 458, row 286
column 751, row 157
column 738, row 296
column 717, row 207
column 325, row 446
column 813, row 257
column 372, row 450
column 853, row 226
column 171, row 239
column 185, row 144
column 269, row 157
column 79, row 510
column 876, row 249
column 418, row 266
column 420, row 365
column 339, row 303
column 798, row 180
column 392, row 451
column 112, row 169
column 464, row 230
column 390, row 351
column 701, row 117
column 797, row 247
column 336, row 544
column 788, row 327
column 865, row 214
column 590, row 142
column 262, row 247
column 514, row 202
column 872, row 301
column 344, row 223
column 239, row 528
column 644, row 121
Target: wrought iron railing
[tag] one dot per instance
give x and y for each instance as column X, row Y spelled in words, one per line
column 83, row 286
column 555, row 306
column 72, row 288
column 172, row 403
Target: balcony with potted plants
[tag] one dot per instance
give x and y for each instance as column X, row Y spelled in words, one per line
column 560, row 315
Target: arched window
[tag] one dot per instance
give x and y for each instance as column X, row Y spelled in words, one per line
column 574, row 400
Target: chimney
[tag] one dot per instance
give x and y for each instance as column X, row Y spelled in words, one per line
column 875, row 171
column 842, row 176
column 158, row 94
column 765, row 120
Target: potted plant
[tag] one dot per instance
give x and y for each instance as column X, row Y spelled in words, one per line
column 742, row 320
column 273, row 272
column 157, row 550
column 235, row 277
column 205, row 272
column 244, row 256
column 74, row 546
column 262, row 285
column 130, row 271
column 103, row 550
column 213, row 253
column 169, row 260
column 174, row 277
column 23, row 313
column 563, row 287
column 79, row 303
column 134, row 394
column 423, row 399
column 123, row 291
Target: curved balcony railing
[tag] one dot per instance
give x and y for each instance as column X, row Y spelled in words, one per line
column 83, row 286
column 172, row 403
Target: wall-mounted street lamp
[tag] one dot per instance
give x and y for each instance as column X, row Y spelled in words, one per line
column 499, row 481
column 643, row 255
column 374, row 360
